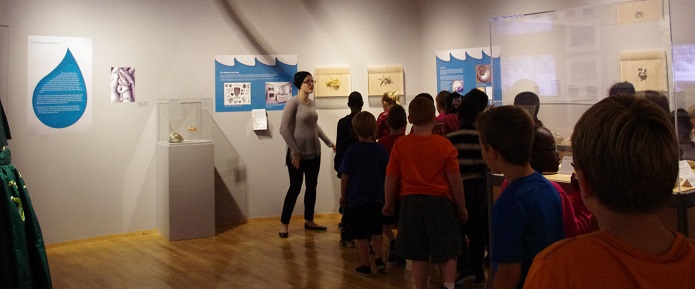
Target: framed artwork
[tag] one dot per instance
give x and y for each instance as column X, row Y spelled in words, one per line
column 645, row 70
column 639, row 12
column 332, row 82
column 385, row 79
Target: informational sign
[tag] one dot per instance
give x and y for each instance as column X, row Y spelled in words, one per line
column 461, row 70
column 247, row 82
column 59, row 84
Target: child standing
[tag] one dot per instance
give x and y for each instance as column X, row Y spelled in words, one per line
column 362, row 191
column 474, row 173
column 632, row 249
column 387, row 100
column 432, row 201
column 397, row 121
column 346, row 137
column 527, row 217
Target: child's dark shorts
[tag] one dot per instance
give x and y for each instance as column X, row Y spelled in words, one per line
column 363, row 221
column 429, row 229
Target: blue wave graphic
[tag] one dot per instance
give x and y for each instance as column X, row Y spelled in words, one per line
column 259, row 76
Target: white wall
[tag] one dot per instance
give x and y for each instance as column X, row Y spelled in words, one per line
column 102, row 182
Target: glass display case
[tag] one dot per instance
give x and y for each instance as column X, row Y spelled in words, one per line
column 181, row 120
column 571, row 58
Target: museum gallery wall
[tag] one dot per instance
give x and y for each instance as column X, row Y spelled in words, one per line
column 101, row 180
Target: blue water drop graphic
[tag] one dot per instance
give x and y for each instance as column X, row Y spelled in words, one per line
column 60, row 98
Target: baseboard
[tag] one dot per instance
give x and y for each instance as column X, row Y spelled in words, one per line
column 154, row 231
column 101, row 238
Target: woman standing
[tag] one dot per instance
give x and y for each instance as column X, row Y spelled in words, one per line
column 301, row 132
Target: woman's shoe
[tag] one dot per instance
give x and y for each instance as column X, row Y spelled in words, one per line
column 316, row 228
column 284, row 235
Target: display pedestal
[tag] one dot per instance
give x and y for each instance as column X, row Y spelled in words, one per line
column 186, row 190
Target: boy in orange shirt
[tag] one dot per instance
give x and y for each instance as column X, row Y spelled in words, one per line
column 626, row 160
column 432, row 202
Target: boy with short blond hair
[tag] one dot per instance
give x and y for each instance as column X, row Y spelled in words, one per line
column 625, row 156
column 527, row 217
column 432, row 201
column 363, row 170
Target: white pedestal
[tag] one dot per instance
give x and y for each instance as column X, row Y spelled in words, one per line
column 185, row 190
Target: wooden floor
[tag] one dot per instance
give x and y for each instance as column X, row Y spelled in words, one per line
column 244, row 256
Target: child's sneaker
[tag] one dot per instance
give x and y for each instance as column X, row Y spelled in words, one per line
column 364, row 270
column 380, row 266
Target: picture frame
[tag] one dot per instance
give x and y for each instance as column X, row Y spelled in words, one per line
column 332, row 82
column 385, row 79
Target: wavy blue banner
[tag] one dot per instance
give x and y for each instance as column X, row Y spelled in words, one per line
column 243, row 83
column 465, row 69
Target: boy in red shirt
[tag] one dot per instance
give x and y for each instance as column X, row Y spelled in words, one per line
column 432, row 201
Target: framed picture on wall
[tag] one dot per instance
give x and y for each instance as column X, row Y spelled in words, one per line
column 645, row 70
column 332, row 82
column 385, row 79
column 639, row 12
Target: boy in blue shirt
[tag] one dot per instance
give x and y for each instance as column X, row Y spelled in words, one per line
column 363, row 171
column 527, row 216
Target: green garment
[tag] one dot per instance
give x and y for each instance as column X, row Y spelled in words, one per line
column 23, row 262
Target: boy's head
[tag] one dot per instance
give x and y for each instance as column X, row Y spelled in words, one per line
column 625, row 153
column 355, row 100
column 622, row 88
column 509, row 131
column 425, row 95
column 472, row 105
column 441, row 100
column 683, row 125
column 529, row 101
column 453, row 100
column 396, row 118
column 657, row 98
column 421, row 111
column 364, row 124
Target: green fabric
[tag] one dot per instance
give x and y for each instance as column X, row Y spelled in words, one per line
column 23, row 262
